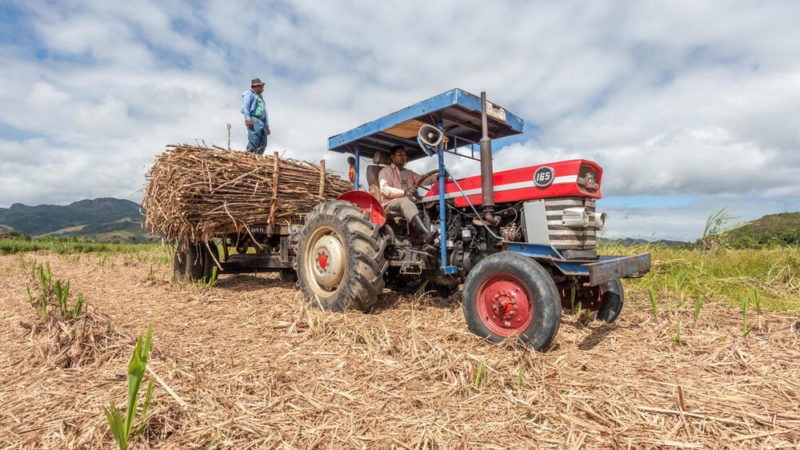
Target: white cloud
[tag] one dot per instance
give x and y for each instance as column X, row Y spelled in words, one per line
column 677, row 98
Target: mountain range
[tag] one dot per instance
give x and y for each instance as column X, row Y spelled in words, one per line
column 101, row 219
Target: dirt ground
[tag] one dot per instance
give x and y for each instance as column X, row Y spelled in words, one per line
column 251, row 366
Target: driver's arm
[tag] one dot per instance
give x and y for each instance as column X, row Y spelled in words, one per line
column 385, row 185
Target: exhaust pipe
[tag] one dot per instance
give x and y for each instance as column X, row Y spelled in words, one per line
column 487, row 173
column 487, row 176
column 599, row 220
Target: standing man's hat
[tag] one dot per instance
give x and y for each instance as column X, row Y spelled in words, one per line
column 256, row 82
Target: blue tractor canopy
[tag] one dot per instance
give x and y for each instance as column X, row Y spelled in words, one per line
column 457, row 112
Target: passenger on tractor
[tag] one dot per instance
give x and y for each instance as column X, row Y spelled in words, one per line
column 397, row 187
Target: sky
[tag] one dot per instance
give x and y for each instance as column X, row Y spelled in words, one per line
column 688, row 106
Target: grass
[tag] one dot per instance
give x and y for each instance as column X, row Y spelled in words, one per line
column 65, row 247
column 772, row 273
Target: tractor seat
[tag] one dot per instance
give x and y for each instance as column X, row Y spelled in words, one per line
column 380, row 159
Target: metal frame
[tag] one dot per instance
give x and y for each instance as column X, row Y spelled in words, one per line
column 598, row 271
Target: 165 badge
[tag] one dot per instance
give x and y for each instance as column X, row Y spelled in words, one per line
column 543, row 176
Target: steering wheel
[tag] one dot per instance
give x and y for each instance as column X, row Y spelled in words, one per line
column 419, row 182
column 425, row 177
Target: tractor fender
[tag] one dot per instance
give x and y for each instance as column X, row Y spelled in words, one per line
column 366, row 202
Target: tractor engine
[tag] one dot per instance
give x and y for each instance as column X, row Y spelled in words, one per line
column 549, row 204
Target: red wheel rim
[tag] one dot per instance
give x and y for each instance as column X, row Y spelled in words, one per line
column 504, row 305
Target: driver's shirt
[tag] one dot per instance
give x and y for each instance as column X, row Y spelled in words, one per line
column 393, row 182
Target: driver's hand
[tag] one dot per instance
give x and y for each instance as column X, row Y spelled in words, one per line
column 412, row 193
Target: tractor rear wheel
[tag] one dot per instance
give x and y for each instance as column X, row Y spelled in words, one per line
column 340, row 257
column 509, row 296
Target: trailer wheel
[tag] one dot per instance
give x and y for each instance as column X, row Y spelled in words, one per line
column 208, row 268
column 613, row 297
column 509, row 296
column 199, row 263
column 195, row 262
column 340, row 257
column 179, row 265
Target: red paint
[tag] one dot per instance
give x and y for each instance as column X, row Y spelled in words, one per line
column 322, row 260
column 367, row 202
column 524, row 175
column 504, row 305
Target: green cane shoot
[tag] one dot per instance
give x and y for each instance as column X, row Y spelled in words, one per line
column 121, row 426
column 653, row 304
column 698, row 304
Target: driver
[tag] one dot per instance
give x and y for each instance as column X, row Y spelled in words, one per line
column 397, row 186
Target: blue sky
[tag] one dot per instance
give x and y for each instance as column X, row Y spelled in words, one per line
column 688, row 106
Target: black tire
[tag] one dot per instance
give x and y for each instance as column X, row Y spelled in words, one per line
column 195, row 262
column 613, row 299
column 199, row 263
column 515, row 272
column 343, row 232
column 209, row 265
column 179, row 265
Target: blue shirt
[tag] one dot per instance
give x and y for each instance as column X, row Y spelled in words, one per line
column 250, row 103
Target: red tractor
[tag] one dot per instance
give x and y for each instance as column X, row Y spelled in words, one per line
column 522, row 241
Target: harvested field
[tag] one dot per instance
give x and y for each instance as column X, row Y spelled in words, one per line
column 251, row 366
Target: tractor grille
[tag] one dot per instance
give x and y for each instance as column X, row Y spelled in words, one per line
column 581, row 241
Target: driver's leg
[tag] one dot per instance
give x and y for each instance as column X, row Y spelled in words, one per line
column 409, row 210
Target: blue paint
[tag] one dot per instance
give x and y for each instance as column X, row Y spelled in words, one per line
column 533, row 250
column 442, row 220
column 358, row 165
column 451, row 99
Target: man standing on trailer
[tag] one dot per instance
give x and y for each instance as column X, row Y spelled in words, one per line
column 255, row 117
column 397, row 185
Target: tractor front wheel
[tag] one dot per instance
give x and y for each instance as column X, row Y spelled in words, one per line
column 340, row 257
column 612, row 298
column 604, row 302
column 509, row 296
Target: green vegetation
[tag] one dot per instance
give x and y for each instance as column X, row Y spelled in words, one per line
column 768, row 231
column 121, row 427
column 59, row 290
column 676, row 338
column 772, row 273
column 653, row 304
column 67, row 246
column 101, row 219
column 698, row 304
